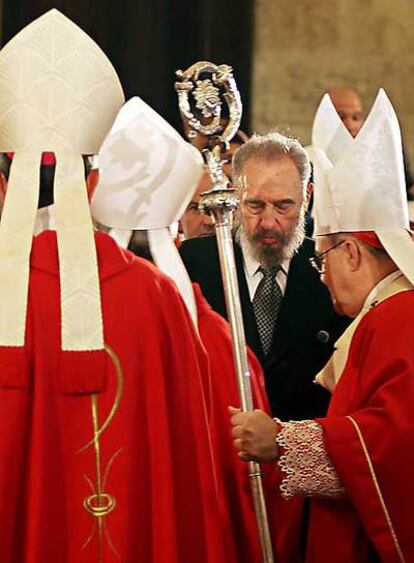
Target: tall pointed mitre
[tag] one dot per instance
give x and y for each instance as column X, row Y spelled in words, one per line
column 58, row 93
column 359, row 182
column 328, row 131
column 148, row 176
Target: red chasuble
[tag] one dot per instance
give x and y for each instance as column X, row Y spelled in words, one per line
column 232, row 472
column 120, row 469
column 369, row 437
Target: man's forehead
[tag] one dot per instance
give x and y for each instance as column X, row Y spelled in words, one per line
column 345, row 98
column 261, row 167
column 349, row 106
column 263, row 175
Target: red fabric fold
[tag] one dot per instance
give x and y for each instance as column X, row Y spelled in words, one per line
column 14, row 363
column 368, row 435
column 83, row 372
column 144, row 441
column 241, row 533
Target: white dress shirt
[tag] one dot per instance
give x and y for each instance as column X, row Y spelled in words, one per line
column 254, row 275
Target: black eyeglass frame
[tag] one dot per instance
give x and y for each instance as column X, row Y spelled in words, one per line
column 318, row 261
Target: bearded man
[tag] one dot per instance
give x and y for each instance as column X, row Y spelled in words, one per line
column 289, row 320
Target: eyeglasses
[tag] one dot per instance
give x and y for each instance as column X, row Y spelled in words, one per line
column 318, row 261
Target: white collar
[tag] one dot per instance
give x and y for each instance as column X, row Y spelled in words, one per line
column 379, row 287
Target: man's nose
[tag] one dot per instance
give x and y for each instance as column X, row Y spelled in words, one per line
column 269, row 217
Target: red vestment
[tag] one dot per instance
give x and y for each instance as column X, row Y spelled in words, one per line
column 233, row 473
column 240, row 528
column 123, row 473
column 369, row 438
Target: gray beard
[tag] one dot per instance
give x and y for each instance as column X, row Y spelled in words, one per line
column 273, row 255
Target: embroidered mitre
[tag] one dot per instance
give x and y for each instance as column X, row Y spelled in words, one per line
column 359, row 182
column 58, row 93
column 148, row 176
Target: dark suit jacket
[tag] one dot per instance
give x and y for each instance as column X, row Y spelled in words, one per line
column 306, row 320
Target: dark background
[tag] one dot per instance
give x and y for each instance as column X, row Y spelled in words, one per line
column 147, row 40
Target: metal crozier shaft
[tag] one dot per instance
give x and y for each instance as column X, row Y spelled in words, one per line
column 220, row 204
column 203, row 89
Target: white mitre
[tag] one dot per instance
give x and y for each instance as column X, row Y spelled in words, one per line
column 58, row 93
column 148, row 176
column 359, row 182
column 328, row 132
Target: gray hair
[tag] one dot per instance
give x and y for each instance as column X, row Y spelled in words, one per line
column 271, row 147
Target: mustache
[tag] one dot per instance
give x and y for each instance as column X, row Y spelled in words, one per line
column 262, row 234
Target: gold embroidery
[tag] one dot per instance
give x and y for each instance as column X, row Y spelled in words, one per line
column 99, row 504
column 377, row 487
column 120, row 387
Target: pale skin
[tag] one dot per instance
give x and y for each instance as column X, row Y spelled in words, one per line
column 351, row 272
column 272, row 198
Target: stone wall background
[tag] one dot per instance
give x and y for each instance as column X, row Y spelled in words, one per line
column 301, row 47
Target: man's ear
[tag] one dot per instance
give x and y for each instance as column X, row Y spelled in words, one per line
column 309, row 192
column 92, row 181
column 3, row 187
column 353, row 254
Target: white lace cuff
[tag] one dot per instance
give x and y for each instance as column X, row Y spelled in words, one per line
column 305, row 462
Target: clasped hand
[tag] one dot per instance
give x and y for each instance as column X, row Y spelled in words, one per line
column 254, row 434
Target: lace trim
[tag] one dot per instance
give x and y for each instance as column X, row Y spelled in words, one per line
column 305, row 462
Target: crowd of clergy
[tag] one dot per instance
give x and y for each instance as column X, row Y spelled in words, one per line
column 123, row 437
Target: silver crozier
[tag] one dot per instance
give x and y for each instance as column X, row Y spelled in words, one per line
column 203, row 89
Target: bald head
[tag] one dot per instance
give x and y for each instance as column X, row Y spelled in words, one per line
column 348, row 104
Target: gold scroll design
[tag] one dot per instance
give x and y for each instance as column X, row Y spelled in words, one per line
column 378, row 490
column 100, row 503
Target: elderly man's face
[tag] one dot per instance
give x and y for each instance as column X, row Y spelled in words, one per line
column 341, row 273
column 194, row 223
column 333, row 271
column 272, row 209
